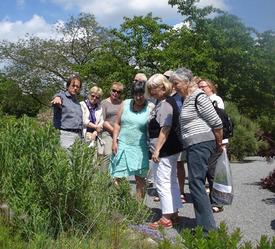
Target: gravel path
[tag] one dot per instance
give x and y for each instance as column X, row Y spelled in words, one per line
column 252, row 210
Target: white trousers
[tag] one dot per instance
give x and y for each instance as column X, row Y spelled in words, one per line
column 165, row 175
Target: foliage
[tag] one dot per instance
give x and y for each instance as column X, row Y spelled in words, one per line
column 267, row 134
column 219, row 239
column 212, row 43
column 52, row 199
column 8, row 238
column 54, row 191
column 14, row 102
column 42, row 67
column 269, row 181
column 245, row 141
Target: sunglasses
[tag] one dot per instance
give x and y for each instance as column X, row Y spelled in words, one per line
column 93, row 96
column 116, row 91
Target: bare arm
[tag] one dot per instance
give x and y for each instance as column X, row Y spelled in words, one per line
column 163, row 135
column 116, row 129
column 218, row 133
column 107, row 126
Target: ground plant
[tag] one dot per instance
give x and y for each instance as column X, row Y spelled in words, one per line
column 50, row 198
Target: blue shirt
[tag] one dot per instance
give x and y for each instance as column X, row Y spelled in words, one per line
column 70, row 115
column 179, row 100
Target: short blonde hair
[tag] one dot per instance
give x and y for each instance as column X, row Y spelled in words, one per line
column 117, row 85
column 96, row 90
column 158, row 80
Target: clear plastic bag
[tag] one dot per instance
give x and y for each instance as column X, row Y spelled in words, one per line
column 222, row 191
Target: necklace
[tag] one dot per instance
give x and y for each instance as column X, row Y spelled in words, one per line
column 136, row 107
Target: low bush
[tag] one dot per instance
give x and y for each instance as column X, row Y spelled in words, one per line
column 194, row 239
column 58, row 192
column 246, row 140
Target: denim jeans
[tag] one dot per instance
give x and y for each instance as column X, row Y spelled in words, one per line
column 197, row 161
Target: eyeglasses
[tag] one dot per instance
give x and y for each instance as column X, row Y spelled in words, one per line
column 201, row 87
column 93, row 96
column 75, row 86
column 116, row 91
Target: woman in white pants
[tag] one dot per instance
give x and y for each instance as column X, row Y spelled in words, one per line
column 164, row 146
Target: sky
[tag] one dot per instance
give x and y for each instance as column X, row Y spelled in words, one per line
column 38, row 17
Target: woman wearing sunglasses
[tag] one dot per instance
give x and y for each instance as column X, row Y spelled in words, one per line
column 110, row 109
column 92, row 117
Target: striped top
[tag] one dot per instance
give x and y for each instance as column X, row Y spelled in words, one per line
column 197, row 124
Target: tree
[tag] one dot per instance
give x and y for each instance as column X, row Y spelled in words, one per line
column 43, row 66
column 237, row 62
column 14, row 102
column 141, row 41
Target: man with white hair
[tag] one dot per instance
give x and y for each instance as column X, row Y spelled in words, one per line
column 140, row 76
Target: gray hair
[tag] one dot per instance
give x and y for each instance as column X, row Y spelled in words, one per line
column 183, row 74
column 141, row 76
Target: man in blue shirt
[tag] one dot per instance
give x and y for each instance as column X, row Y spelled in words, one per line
column 68, row 113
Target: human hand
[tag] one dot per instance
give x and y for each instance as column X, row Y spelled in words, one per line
column 98, row 129
column 155, row 157
column 93, row 136
column 114, row 147
column 220, row 148
column 57, row 101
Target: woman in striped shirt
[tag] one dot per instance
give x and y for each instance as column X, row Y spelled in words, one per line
column 201, row 130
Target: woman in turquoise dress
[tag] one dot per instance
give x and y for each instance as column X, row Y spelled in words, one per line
column 130, row 150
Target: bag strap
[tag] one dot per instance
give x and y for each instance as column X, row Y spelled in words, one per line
column 90, row 112
column 196, row 99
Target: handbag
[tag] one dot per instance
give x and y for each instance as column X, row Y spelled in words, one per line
column 222, row 190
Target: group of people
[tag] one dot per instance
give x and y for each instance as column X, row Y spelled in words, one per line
column 159, row 126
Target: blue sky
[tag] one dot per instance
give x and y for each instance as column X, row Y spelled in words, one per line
column 36, row 17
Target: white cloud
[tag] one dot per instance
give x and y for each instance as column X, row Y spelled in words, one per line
column 111, row 12
column 108, row 13
column 37, row 26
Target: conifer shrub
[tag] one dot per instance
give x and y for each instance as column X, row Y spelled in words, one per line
column 246, row 140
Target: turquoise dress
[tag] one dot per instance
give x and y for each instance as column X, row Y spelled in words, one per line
column 132, row 154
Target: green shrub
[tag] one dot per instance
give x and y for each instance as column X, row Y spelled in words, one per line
column 194, row 239
column 245, row 141
column 58, row 191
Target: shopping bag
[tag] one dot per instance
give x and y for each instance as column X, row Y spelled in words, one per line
column 222, row 191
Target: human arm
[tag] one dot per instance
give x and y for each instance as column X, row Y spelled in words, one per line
column 218, row 133
column 57, row 101
column 116, row 129
column 207, row 111
column 163, row 135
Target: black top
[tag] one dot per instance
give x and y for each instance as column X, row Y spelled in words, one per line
column 173, row 143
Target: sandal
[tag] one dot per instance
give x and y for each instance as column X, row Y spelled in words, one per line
column 217, row 209
column 156, row 198
column 182, row 196
column 161, row 222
